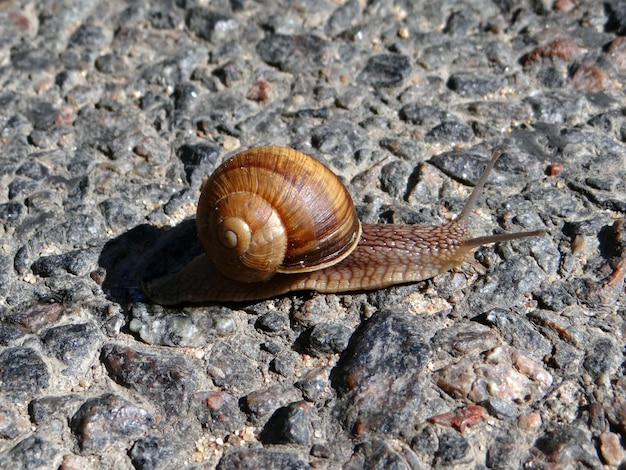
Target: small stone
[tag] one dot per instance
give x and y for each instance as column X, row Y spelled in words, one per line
column 328, row 338
column 117, row 214
column 104, row 420
column 382, row 454
column 264, row 401
column 10, row 213
column 453, row 448
column 197, row 158
column 210, row 25
column 565, row 445
column 24, row 57
column 506, row 375
column 510, row 282
column 501, row 409
column 151, row 452
column 590, row 78
column 23, row 372
column 238, row 459
column 378, row 378
column 272, row 322
column 46, row 410
column 74, row 345
column 599, row 358
column 297, row 53
column 340, row 138
column 550, row 77
column 519, row 332
column 449, row 132
column 459, row 23
column 461, row 418
column 31, row 452
column 163, row 19
column 19, row 188
column 503, row 452
column 556, row 296
column 185, row 94
column 229, row 73
column 77, row 262
column 284, row 364
column 616, row 18
column 260, row 91
column 232, row 370
column 88, row 35
column 33, row 170
column 12, row 424
column 471, row 85
column 315, row 385
column 393, row 178
column 170, row 381
column 290, row 425
column 611, row 449
column 9, row 335
column 385, row 70
column 320, row 451
column 271, row 347
column 405, row 149
column 343, row 18
column 35, row 318
column 565, row 49
column 424, row 115
column 156, row 325
column 425, row 442
column 219, row 412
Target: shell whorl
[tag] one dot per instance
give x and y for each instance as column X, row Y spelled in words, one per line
column 275, row 209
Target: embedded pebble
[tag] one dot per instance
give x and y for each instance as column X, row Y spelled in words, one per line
column 23, row 372
column 453, row 449
column 503, row 452
column 293, row 53
column 170, row 381
column 387, row 351
column 503, row 373
column 219, row 412
column 382, row 454
column 385, row 70
column 158, row 326
column 35, row 318
column 12, row 424
column 74, row 345
column 78, row 262
column 328, row 338
column 210, row 25
column 31, row 452
column 151, row 452
column 471, row 85
column 315, row 385
column 291, row 424
column 261, row 458
column 564, row 445
column 104, row 420
column 264, row 401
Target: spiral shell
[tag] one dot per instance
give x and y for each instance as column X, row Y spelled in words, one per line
column 275, row 209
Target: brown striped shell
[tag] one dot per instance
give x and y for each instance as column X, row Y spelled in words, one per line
column 274, row 210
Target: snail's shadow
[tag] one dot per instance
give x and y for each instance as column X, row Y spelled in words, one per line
column 145, row 253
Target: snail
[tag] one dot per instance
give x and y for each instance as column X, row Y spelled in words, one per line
column 272, row 220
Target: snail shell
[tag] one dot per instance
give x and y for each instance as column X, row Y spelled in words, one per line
column 273, row 220
column 275, row 210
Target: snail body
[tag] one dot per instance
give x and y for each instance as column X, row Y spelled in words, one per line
column 274, row 220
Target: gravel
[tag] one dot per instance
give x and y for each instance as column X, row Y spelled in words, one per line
column 112, row 114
